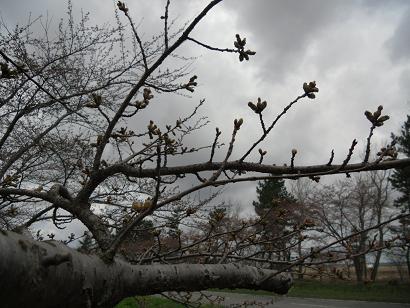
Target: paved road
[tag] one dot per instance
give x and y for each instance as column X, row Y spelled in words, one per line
column 244, row 300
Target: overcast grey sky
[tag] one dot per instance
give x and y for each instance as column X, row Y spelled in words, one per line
column 357, row 51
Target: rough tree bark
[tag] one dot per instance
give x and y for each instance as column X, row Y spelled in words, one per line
column 58, row 276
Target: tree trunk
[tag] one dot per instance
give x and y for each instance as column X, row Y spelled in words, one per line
column 408, row 260
column 300, row 267
column 359, row 268
column 376, row 264
column 50, row 274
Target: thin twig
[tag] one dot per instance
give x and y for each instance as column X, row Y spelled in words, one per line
column 332, row 155
column 144, row 58
column 349, row 155
column 262, row 122
column 228, row 154
column 166, row 24
column 271, row 126
column 210, row 47
column 217, row 134
column 366, row 157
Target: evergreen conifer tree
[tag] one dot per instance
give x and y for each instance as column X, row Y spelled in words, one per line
column 271, row 192
column 401, row 177
column 273, row 207
column 400, row 180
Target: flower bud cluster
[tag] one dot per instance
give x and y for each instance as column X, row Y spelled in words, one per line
column 262, row 153
column 217, row 215
column 121, row 6
column 315, row 178
column 122, row 134
column 147, row 96
column 310, row 88
column 139, row 206
column 308, row 223
column 237, row 123
column 95, row 102
column 376, row 118
column 240, row 46
column 259, row 107
column 10, row 180
column 390, row 151
column 153, row 130
column 168, row 141
column 191, row 84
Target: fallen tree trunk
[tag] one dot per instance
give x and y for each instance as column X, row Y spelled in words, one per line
column 50, row 274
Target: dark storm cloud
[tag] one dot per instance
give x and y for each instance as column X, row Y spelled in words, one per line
column 399, row 43
column 283, row 30
column 358, row 51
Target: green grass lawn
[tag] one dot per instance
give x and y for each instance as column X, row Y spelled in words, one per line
column 152, row 302
column 147, row 302
column 379, row 292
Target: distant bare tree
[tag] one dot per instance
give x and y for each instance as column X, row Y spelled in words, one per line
column 351, row 206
